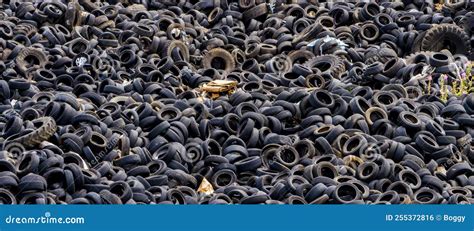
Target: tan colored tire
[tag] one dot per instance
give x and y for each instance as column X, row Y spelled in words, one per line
column 219, row 59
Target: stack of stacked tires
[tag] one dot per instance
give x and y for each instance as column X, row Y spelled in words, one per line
column 336, row 102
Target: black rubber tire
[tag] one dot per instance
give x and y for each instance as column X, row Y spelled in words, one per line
column 330, row 64
column 416, row 46
column 446, row 36
column 254, row 12
column 381, row 54
column 308, row 33
column 419, row 56
column 438, row 59
column 369, row 32
column 43, row 132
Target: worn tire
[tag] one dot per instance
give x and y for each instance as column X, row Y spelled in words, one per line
column 446, row 36
column 171, row 45
column 45, row 129
column 381, row 54
column 26, row 54
column 416, row 47
column 226, row 59
column 414, row 58
column 330, row 64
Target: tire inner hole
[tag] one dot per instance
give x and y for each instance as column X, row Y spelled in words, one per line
column 218, row 63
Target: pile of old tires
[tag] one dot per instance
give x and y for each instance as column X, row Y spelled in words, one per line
column 336, row 102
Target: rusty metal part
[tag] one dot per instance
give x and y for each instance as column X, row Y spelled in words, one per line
column 205, row 187
column 217, row 88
